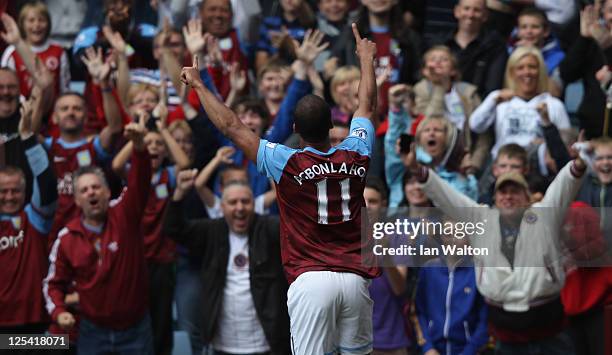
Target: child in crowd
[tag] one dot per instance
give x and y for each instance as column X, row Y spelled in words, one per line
column 34, row 24
column 533, row 29
column 511, row 157
column 452, row 314
column 441, row 93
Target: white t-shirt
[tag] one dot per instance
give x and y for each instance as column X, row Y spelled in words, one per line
column 216, row 212
column 516, row 120
column 238, row 329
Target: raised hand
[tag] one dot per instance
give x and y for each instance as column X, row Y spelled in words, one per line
column 214, row 56
column 542, row 109
column 504, row 95
column 164, row 34
column 96, row 66
column 191, row 75
column 604, row 75
column 588, row 18
column 409, row 160
column 277, row 37
column 161, row 110
column 364, row 48
column 384, row 75
column 43, row 78
column 184, row 182
column 224, row 154
column 114, row 39
column 193, row 37
column 135, row 132
column 238, row 77
column 11, row 34
column 25, row 122
column 65, row 320
column 398, row 94
column 311, row 46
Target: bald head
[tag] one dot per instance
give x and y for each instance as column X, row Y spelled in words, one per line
column 238, row 206
column 471, row 15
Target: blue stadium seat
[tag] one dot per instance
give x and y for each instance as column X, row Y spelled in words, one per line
column 182, row 345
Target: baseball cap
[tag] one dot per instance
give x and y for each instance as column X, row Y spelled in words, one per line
column 511, row 176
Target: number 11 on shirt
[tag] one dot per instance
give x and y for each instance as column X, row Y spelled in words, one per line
column 322, row 198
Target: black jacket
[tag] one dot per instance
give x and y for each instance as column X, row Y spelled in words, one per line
column 482, row 62
column 582, row 61
column 209, row 239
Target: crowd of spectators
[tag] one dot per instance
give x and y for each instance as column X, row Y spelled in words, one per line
column 492, row 93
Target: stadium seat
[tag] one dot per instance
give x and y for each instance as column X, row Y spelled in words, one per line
column 182, row 345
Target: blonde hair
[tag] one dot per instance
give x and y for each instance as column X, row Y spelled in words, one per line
column 137, row 88
column 451, row 57
column 601, row 142
column 180, row 124
column 518, row 54
column 343, row 75
column 39, row 7
column 448, row 127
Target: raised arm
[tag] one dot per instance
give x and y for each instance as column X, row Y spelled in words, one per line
column 443, row 195
column 220, row 115
column 139, row 176
column 191, row 234
column 399, row 121
column 306, row 53
column 223, row 156
column 44, row 192
column 180, row 158
column 366, row 51
column 12, row 36
column 100, row 73
column 123, row 70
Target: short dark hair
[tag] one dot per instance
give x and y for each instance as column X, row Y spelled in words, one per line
column 513, row 151
column 312, row 117
column 85, row 170
column 534, row 12
column 230, row 167
column 375, row 183
column 11, row 170
column 254, row 105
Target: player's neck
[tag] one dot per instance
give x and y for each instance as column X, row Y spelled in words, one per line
column 70, row 137
column 321, row 147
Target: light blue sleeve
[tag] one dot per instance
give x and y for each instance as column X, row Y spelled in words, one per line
column 272, row 158
column 41, row 217
column 171, row 176
column 394, row 168
column 361, row 137
column 102, row 156
column 47, row 143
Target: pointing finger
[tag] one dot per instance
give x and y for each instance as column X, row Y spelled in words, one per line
column 196, row 65
column 356, row 32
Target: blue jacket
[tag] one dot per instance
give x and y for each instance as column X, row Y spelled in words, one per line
column 400, row 122
column 551, row 51
column 451, row 312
